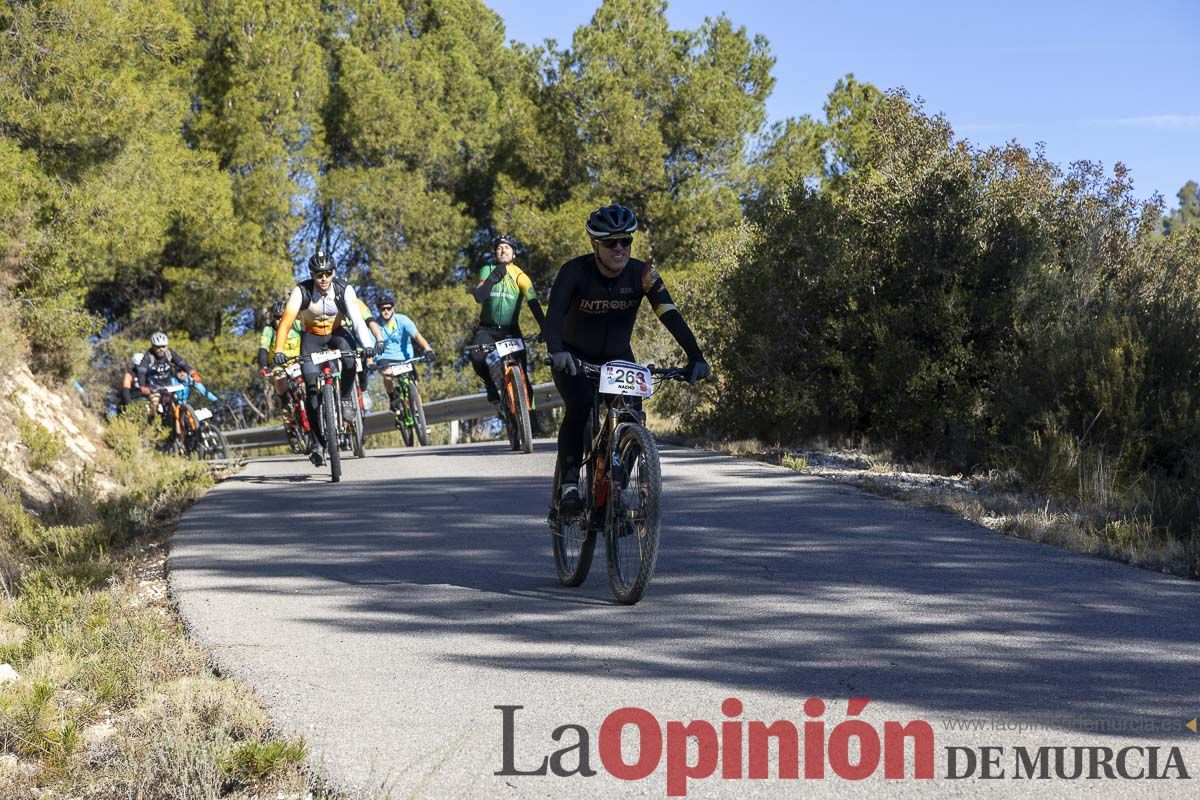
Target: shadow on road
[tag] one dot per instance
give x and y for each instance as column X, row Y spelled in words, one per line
column 767, row 580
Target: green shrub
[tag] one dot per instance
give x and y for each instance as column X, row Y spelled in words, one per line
column 979, row 308
column 257, row 760
column 33, row 725
column 44, row 446
column 797, row 463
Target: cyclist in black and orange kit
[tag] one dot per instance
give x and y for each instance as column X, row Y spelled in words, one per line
column 324, row 304
column 593, row 307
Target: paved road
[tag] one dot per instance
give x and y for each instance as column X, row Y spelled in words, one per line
column 386, row 616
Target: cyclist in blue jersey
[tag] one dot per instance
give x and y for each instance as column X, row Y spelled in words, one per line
column 399, row 332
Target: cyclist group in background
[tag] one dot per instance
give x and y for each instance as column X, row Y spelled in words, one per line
column 592, row 309
column 148, row 376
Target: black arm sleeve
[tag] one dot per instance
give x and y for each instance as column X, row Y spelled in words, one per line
column 538, row 315
column 179, row 364
column 262, row 357
column 144, row 371
column 560, row 302
column 484, row 290
column 125, row 396
column 674, row 322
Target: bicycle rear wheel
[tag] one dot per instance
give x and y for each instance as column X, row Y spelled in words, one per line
column 634, row 515
column 329, row 428
column 573, row 539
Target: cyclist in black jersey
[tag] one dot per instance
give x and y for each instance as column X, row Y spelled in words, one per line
column 593, row 306
column 159, row 368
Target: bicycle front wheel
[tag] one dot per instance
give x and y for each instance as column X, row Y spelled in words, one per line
column 405, row 417
column 212, row 442
column 418, row 414
column 329, row 428
column 634, row 515
column 357, row 435
column 524, row 435
column 193, row 444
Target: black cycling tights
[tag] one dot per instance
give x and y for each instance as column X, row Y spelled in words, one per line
column 313, row 343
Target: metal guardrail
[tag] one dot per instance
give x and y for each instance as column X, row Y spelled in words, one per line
column 464, row 407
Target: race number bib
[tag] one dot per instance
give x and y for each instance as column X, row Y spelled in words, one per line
column 397, row 369
column 203, row 414
column 506, row 346
column 326, row 355
column 625, row 377
column 174, row 388
column 293, row 370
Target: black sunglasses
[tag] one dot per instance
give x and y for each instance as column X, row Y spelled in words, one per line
column 324, row 273
column 385, row 308
column 624, row 241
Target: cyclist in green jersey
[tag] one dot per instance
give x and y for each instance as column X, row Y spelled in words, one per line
column 266, row 352
column 500, row 289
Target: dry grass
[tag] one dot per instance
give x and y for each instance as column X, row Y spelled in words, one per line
column 113, row 699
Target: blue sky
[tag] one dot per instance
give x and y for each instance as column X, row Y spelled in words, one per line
column 1102, row 80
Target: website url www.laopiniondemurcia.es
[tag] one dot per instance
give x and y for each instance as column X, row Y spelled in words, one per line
column 853, row 749
column 1063, row 722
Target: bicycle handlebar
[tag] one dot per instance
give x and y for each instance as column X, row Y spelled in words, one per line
column 489, row 346
column 593, row 370
column 358, row 352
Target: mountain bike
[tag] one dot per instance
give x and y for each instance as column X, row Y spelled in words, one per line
column 353, row 430
column 516, row 399
column 295, row 415
column 620, row 484
column 405, row 400
column 329, row 408
column 200, row 436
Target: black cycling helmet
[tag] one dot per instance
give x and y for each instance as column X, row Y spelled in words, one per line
column 277, row 309
column 385, row 299
column 320, row 261
column 609, row 221
column 505, row 239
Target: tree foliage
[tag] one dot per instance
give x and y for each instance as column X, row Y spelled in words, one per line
column 412, row 123
column 259, row 86
column 167, row 164
column 637, row 113
column 1188, row 213
column 979, row 306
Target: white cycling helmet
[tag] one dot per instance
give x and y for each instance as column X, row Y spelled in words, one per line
column 137, row 358
column 158, row 339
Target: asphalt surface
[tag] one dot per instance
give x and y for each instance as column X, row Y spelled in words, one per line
column 385, row 617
